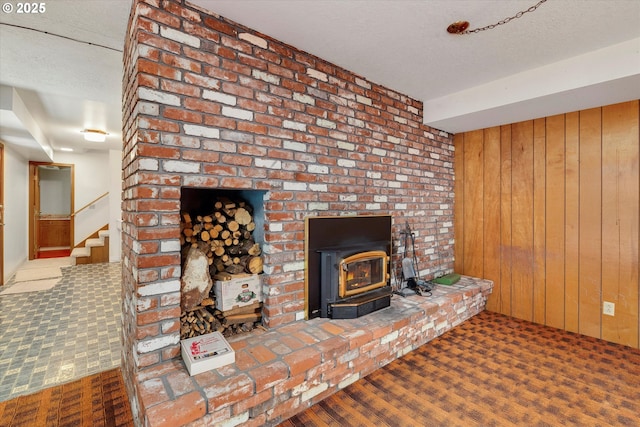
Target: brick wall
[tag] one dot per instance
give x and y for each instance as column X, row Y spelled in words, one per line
column 209, row 103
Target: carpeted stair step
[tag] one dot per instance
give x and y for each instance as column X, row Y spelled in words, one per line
column 91, row 243
column 80, row 252
column 80, row 255
column 95, row 250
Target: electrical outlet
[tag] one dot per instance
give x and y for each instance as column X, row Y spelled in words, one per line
column 609, row 308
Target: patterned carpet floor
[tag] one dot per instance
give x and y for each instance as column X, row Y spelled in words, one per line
column 66, row 332
column 493, row 370
column 99, row 400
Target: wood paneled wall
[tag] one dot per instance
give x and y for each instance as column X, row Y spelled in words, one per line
column 549, row 210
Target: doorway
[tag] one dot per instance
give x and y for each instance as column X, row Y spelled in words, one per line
column 51, row 208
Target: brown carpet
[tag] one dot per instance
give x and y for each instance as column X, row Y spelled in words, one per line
column 93, row 401
column 493, row 370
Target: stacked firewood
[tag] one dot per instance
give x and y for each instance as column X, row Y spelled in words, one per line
column 225, row 235
column 206, row 319
column 228, row 232
column 199, row 321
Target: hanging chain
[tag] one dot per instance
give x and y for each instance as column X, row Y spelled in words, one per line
column 505, row 20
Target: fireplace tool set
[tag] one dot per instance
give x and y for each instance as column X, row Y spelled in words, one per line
column 409, row 271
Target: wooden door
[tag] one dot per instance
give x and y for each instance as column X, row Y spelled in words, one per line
column 40, row 229
column 55, row 208
column 34, row 209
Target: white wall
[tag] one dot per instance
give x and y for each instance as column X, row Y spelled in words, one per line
column 91, row 180
column 16, row 209
column 95, row 174
column 115, row 205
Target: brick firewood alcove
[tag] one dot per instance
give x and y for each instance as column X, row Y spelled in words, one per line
column 209, row 103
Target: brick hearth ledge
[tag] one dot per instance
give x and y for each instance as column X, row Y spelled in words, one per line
column 284, row 370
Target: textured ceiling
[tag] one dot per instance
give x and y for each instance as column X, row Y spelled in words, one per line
column 523, row 66
column 403, row 44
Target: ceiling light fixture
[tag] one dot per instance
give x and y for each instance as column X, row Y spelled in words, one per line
column 95, row 135
column 460, row 27
column 66, row 149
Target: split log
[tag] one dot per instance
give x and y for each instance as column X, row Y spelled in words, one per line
column 255, row 265
column 254, row 250
column 247, row 246
column 241, row 318
column 196, row 281
column 256, row 307
column 223, row 276
column 218, row 264
column 242, row 216
column 252, row 264
column 234, row 268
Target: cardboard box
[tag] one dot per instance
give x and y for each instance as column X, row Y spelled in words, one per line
column 206, row 352
column 240, row 290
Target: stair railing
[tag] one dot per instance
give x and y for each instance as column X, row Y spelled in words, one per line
column 93, row 202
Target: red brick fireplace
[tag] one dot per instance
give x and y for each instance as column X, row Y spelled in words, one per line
column 209, row 103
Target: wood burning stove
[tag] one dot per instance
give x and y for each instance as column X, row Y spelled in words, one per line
column 347, row 262
column 354, row 281
column 362, row 272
